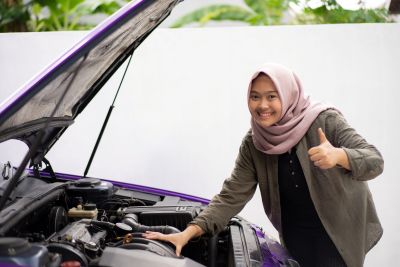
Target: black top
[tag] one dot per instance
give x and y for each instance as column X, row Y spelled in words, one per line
column 297, row 208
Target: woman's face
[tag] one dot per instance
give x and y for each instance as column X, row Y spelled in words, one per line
column 264, row 101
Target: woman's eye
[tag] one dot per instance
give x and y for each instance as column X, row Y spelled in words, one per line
column 271, row 97
column 254, row 97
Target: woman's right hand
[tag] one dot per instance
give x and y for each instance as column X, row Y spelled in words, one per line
column 179, row 240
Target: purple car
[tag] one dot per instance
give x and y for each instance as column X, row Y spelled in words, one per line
column 54, row 219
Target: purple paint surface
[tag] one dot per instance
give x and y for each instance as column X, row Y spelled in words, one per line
column 141, row 188
column 273, row 253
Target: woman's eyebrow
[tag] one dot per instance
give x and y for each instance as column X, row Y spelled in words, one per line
column 268, row 91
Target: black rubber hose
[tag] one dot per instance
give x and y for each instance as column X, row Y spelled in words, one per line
column 132, row 221
column 102, row 224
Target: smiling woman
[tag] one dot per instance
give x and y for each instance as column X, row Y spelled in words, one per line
column 264, row 101
column 304, row 157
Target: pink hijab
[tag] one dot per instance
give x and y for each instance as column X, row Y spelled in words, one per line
column 298, row 112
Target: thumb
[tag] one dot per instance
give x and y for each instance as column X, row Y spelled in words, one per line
column 322, row 137
column 178, row 250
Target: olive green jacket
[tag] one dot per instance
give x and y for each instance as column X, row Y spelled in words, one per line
column 341, row 197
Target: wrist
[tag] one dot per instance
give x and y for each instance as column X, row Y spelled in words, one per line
column 192, row 231
column 341, row 158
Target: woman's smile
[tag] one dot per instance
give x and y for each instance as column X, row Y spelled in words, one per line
column 265, row 114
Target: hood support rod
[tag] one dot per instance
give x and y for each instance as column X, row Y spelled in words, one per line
column 106, row 120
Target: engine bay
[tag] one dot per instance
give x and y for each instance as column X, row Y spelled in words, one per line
column 89, row 222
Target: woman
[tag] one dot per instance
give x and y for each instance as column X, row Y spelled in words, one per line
column 311, row 168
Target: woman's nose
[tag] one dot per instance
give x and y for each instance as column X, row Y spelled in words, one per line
column 264, row 103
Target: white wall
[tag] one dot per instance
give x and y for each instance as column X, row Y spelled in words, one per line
column 181, row 112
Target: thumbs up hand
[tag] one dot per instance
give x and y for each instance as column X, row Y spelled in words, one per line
column 324, row 156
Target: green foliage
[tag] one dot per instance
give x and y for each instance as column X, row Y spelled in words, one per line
column 268, row 12
column 63, row 15
column 214, row 13
column 53, row 15
column 259, row 12
column 56, row 15
column 331, row 12
column 13, row 17
column 273, row 12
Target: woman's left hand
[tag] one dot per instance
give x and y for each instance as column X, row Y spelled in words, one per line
column 326, row 156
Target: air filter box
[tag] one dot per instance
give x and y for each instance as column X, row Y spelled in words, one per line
column 171, row 211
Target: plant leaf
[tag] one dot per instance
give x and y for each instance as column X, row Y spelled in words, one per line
column 102, row 6
column 215, row 13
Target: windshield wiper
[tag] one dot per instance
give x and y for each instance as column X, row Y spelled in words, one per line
column 106, row 121
column 32, row 150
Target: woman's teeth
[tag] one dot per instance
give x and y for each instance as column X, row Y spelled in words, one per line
column 265, row 114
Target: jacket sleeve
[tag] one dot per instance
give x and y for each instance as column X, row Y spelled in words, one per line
column 365, row 160
column 236, row 191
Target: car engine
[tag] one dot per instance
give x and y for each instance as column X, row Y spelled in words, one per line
column 89, row 222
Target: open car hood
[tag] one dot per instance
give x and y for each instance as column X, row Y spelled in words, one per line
column 83, row 70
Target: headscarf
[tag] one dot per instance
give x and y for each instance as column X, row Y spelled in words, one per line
column 298, row 112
